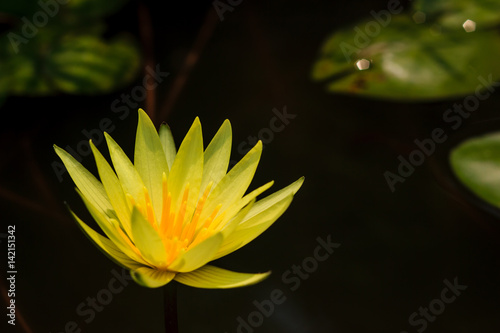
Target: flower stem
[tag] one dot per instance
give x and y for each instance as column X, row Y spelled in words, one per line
column 170, row 308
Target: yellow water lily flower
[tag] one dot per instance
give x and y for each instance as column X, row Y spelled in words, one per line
column 170, row 213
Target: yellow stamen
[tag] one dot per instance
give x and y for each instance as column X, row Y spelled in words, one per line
column 168, row 244
column 170, row 227
column 177, row 249
column 201, row 236
column 179, row 221
column 216, row 223
column 207, row 228
column 188, row 232
column 166, row 223
column 172, row 250
column 186, row 193
column 209, row 220
column 203, row 199
column 201, row 233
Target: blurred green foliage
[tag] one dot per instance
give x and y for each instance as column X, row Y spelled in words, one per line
column 55, row 47
column 476, row 163
column 423, row 53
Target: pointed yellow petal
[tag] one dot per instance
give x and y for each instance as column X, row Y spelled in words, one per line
column 217, row 154
column 187, row 168
column 91, row 188
column 238, row 205
column 107, row 246
column 235, row 183
column 244, row 233
column 147, row 240
column 212, row 277
column 113, row 189
column 150, row 161
column 168, row 144
column 151, row 278
column 127, row 174
column 232, row 224
column 198, row 256
column 111, row 230
column 272, row 199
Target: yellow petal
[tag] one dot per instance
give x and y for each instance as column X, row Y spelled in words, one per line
column 272, row 199
column 151, row 278
column 235, row 183
column 107, row 246
column 212, row 277
column 113, row 189
column 246, row 232
column 232, row 224
column 238, row 205
column 187, row 168
column 91, row 188
column 216, row 156
column 198, row 256
column 150, row 161
column 168, row 144
column 127, row 174
column 147, row 240
column 111, row 230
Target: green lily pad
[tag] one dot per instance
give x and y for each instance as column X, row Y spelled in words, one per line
column 407, row 61
column 453, row 13
column 476, row 163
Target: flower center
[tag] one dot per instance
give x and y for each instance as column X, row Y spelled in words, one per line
column 179, row 232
